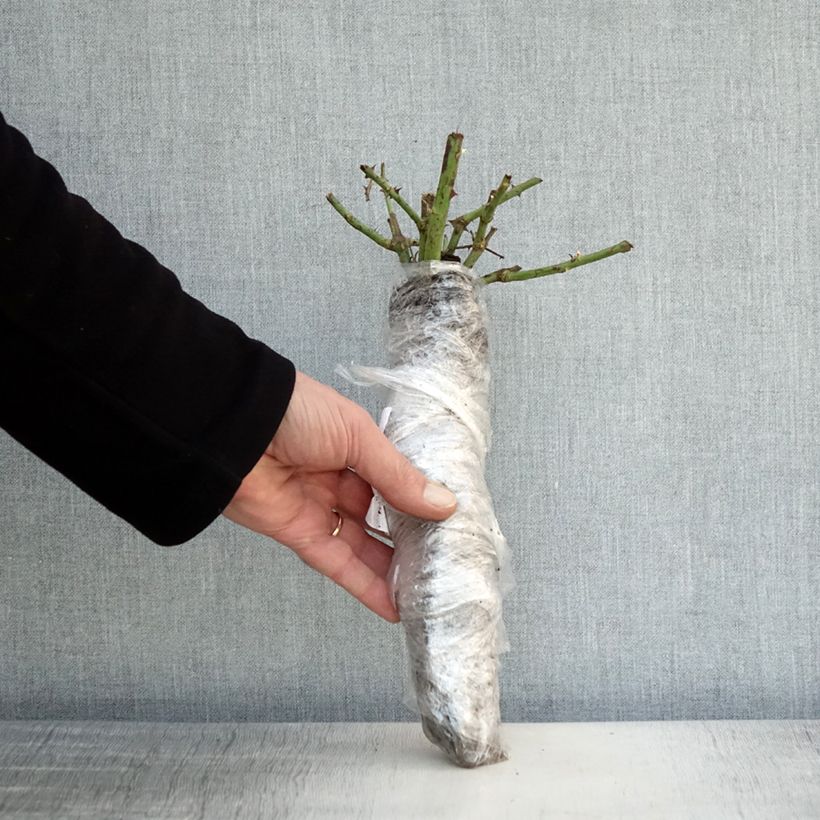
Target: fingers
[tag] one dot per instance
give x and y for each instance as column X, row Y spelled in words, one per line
column 348, row 559
column 355, row 494
column 334, row 557
column 404, row 487
column 369, row 550
column 342, row 489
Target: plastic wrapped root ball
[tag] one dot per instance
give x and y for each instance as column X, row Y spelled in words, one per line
column 448, row 577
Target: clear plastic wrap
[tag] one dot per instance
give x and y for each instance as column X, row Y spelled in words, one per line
column 447, row 578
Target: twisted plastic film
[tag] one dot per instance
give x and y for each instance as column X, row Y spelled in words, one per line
column 448, row 578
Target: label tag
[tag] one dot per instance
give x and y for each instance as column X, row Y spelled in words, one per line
column 376, row 518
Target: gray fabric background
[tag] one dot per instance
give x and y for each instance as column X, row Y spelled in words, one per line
column 656, row 450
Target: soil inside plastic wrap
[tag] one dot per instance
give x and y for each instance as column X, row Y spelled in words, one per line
column 447, row 577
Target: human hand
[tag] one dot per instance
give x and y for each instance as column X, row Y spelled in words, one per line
column 289, row 493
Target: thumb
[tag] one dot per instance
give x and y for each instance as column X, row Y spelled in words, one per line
column 401, row 485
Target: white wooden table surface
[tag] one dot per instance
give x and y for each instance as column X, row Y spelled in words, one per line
column 704, row 769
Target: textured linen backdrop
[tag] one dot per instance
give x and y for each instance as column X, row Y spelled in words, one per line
column 655, row 456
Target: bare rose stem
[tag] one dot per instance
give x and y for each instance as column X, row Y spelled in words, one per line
column 398, row 236
column 432, row 234
column 515, row 274
column 480, row 240
column 431, row 223
column 461, row 222
column 391, row 192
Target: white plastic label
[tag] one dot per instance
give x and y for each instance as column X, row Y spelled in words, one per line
column 376, row 518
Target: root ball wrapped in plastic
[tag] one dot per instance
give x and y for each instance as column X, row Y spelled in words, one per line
column 448, row 577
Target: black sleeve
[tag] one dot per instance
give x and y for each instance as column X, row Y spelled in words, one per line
column 135, row 391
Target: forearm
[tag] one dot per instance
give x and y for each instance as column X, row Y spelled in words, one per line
column 150, row 402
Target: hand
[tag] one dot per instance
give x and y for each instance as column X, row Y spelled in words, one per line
column 288, row 495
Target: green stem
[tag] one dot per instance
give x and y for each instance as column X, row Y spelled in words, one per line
column 433, row 233
column 395, row 230
column 461, row 222
column 390, row 191
column 360, row 226
column 515, row 274
column 479, row 243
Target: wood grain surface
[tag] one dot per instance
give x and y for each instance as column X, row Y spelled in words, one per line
column 701, row 769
